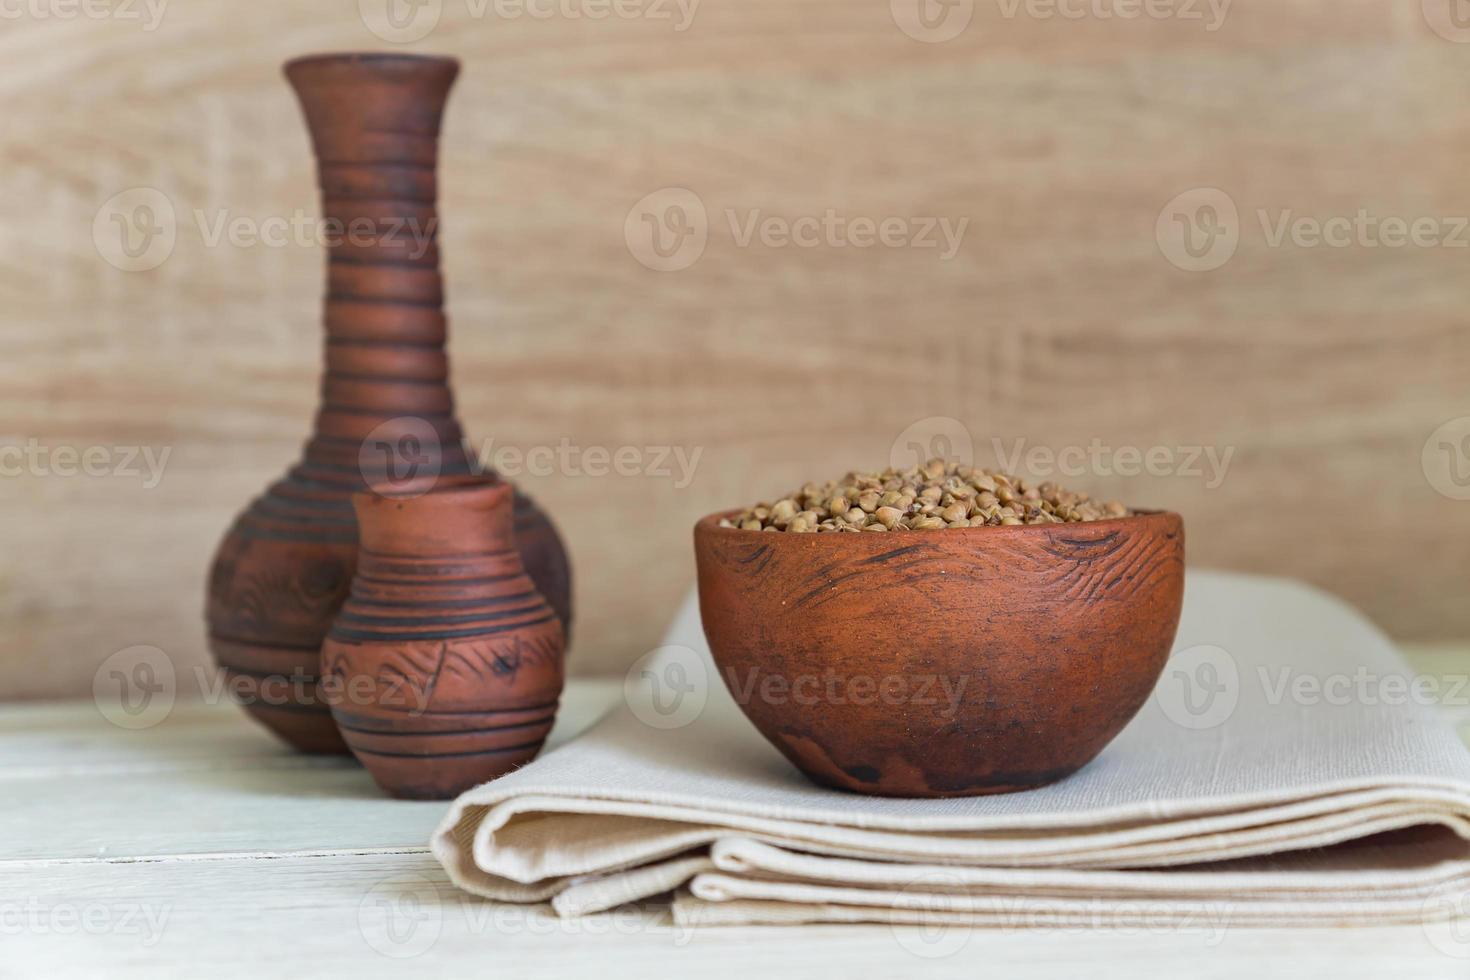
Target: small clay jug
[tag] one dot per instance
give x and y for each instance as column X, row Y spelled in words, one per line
column 386, row 415
column 444, row 666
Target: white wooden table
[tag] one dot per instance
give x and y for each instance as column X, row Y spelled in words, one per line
column 201, row 847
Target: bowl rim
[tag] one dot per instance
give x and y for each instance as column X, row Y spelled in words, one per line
column 710, row 524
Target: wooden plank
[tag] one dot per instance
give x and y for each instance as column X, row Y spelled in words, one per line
column 211, row 811
column 204, row 781
column 145, row 854
column 71, row 739
column 366, row 916
column 1058, row 321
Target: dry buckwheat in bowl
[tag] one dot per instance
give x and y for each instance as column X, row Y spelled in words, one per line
column 934, row 496
column 1059, row 625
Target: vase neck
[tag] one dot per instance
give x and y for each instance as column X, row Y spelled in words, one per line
column 470, row 520
column 374, row 122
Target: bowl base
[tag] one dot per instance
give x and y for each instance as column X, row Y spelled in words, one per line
column 1014, row 783
column 900, row 777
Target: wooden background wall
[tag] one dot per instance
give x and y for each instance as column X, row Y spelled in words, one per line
column 1060, row 320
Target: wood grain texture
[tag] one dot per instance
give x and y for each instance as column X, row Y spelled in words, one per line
column 203, row 855
column 161, row 918
column 203, row 782
column 1058, row 320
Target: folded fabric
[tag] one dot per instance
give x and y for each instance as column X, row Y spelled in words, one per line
column 1288, row 769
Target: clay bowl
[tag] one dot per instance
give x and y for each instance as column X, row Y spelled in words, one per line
column 956, row 662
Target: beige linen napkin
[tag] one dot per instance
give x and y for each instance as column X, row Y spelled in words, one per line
column 1288, row 769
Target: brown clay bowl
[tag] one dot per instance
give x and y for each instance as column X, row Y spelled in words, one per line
column 954, row 662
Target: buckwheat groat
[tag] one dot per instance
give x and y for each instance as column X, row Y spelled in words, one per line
column 924, row 498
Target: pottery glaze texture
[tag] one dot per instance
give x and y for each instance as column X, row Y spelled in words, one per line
column 284, row 568
column 942, row 663
column 448, row 659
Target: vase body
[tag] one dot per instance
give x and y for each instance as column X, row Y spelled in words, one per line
column 445, row 662
column 386, row 416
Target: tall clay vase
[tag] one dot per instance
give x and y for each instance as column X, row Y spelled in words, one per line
column 447, row 661
column 386, row 412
